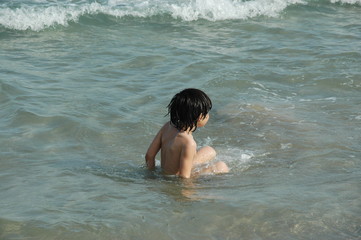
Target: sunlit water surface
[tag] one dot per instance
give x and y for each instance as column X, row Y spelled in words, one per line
column 84, row 87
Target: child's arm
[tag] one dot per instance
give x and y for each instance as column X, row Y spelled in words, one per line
column 153, row 150
column 186, row 159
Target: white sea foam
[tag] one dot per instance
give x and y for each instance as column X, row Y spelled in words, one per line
column 357, row 2
column 214, row 10
column 40, row 16
column 44, row 14
column 37, row 18
column 237, row 159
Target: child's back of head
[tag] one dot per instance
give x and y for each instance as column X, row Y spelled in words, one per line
column 187, row 106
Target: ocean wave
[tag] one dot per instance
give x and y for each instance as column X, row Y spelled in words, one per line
column 42, row 14
column 40, row 17
column 352, row 2
column 37, row 17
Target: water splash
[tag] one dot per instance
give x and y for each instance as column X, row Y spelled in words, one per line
column 44, row 15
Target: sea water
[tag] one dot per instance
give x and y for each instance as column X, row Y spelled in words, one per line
column 84, row 86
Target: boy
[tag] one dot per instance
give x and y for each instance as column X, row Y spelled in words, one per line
column 188, row 110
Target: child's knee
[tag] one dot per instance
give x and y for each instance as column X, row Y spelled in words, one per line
column 221, row 167
column 211, row 152
column 204, row 155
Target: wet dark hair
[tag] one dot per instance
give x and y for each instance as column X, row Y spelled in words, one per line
column 186, row 107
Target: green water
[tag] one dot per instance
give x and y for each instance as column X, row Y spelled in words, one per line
column 80, row 102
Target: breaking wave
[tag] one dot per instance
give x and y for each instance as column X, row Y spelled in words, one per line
column 41, row 14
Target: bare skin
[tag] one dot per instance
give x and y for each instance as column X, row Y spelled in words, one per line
column 179, row 155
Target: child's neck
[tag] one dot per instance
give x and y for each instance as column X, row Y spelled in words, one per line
column 188, row 130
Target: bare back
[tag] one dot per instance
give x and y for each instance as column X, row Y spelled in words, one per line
column 173, row 143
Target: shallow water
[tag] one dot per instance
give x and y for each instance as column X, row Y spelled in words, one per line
column 84, row 87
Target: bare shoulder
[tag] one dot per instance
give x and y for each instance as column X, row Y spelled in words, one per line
column 164, row 127
column 187, row 140
column 172, row 136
